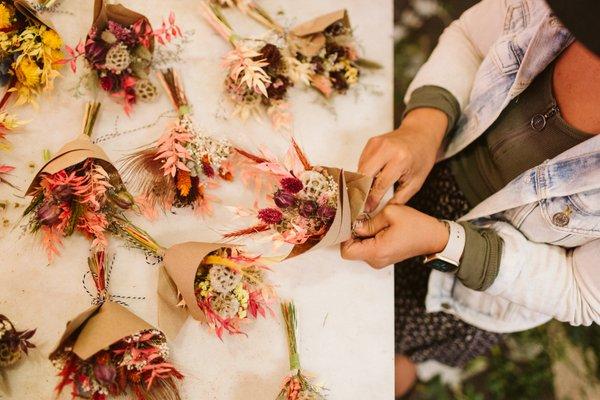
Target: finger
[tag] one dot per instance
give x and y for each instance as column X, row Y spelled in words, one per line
column 372, row 160
column 367, row 228
column 383, row 182
column 361, row 250
column 404, row 193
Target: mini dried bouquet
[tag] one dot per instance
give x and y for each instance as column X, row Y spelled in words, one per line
column 182, row 164
column 221, row 286
column 310, row 205
column 108, row 352
column 328, row 46
column 13, row 343
column 30, row 52
column 296, row 386
column 118, row 50
column 321, row 52
column 257, row 72
column 79, row 190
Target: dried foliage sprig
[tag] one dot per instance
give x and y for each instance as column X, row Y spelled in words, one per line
column 31, row 53
column 179, row 168
column 13, row 343
column 231, row 288
column 120, row 56
column 297, row 386
column 257, row 77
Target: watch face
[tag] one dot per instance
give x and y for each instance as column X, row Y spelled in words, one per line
column 441, row 265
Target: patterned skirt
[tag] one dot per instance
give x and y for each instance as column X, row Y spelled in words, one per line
column 423, row 336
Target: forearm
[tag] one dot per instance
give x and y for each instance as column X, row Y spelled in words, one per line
column 563, row 283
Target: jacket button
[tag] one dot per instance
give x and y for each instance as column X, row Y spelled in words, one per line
column 560, row 219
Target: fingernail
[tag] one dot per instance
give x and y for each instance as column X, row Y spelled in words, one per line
column 357, row 224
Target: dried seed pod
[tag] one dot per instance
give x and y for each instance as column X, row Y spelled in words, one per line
column 226, row 305
column 146, row 91
column 117, row 58
column 223, row 279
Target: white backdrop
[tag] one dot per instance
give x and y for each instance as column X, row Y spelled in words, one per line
column 345, row 308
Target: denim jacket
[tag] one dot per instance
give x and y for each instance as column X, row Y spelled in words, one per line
column 549, row 216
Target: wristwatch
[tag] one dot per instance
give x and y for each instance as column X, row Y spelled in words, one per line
column 448, row 259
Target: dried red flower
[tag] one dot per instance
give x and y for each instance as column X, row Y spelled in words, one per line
column 48, row 214
column 270, row 215
column 291, row 184
column 326, row 212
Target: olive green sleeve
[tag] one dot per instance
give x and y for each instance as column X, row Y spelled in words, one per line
column 481, row 258
column 435, row 97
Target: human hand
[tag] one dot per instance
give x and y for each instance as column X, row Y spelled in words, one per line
column 396, row 233
column 405, row 155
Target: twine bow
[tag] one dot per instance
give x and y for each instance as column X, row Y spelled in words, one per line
column 101, row 272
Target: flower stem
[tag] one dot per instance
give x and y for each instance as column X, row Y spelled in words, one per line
column 89, row 119
column 288, row 310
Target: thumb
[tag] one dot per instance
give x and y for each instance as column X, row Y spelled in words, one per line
column 369, row 227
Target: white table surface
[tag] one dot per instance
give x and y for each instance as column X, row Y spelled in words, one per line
column 345, row 308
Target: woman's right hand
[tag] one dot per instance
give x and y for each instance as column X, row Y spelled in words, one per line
column 406, row 154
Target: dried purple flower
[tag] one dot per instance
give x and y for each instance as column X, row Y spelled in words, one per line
column 270, row 215
column 63, row 193
column 326, row 212
column 308, row 208
column 48, row 214
column 95, row 53
column 284, row 199
column 278, row 87
column 110, row 83
column 123, row 34
column 271, row 54
column 105, row 374
column 291, row 184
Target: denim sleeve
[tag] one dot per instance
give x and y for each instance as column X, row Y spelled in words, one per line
column 481, row 258
column 435, row 97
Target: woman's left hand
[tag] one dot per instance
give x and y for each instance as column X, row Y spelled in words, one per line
column 396, row 233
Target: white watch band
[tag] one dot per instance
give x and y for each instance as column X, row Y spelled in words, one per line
column 456, row 243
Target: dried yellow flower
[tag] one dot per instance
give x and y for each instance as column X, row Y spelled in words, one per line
column 5, row 17
column 28, row 73
column 51, row 39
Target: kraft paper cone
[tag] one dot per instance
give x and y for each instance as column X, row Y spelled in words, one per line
column 118, row 13
column 72, row 154
column 308, row 36
column 353, row 189
column 171, row 315
column 99, row 327
column 24, row 8
column 181, row 263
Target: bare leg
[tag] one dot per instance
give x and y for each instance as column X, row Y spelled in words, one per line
column 406, row 375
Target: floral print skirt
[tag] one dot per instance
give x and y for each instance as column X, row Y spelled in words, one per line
column 423, row 336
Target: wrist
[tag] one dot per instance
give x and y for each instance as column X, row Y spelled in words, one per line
column 429, row 122
column 440, row 235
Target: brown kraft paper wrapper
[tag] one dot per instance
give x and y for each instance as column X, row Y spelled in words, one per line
column 118, row 13
column 97, row 328
column 176, row 282
column 308, row 37
column 71, row 154
column 353, row 191
column 25, row 9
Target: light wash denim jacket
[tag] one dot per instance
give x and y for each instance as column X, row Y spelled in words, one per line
column 549, row 216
